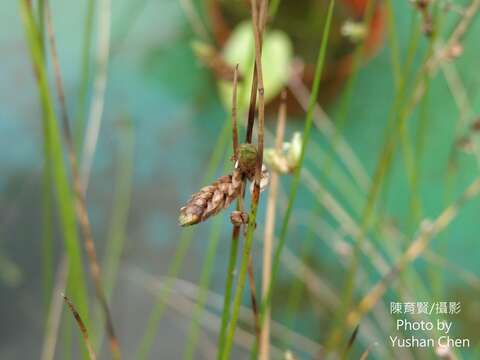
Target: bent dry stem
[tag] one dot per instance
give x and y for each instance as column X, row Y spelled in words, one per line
column 269, row 231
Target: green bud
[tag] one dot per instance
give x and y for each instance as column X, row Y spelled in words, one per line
column 247, row 158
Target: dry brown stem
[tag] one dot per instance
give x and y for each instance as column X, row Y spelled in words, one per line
column 82, row 327
column 264, row 352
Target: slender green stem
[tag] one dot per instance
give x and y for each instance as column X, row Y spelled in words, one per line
column 116, row 236
column 406, row 72
column 393, row 42
column 47, row 224
column 85, row 71
column 227, row 348
column 53, row 147
column 419, row 147
column 346, row 98
column 117, row 228
column 236, row 228
column 228, row 287
column 41, row 22
column 258, row 22
column 47, row 193
column 47, row 196
column 59, row 174
column 273, row 8
column 296, row 177
column 397, row 120
column 352, row 80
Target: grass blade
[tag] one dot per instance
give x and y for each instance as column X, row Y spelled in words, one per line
column 62, row 188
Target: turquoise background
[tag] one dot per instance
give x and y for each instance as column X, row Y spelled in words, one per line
column 172, row 102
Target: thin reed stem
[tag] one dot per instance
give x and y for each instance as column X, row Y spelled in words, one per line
column 99, row 89
column 394, row 126
column 435, row 59
column 234, row 114
column 235, row 229
column 47, row 193
column 253, row 297
column 229, row 284
column 254, row 88
column 85, row 70
column 194, row 19
column 296, row 177
column 54, row 149
column 269, row 230
column 427, row 232
column 80, row 202
column 257, row 31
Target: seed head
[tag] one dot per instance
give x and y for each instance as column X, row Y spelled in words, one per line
column 211, row 199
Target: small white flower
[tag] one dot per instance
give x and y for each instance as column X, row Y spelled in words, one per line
column 286, row 160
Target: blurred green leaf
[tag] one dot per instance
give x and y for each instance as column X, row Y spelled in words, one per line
column 276, row 57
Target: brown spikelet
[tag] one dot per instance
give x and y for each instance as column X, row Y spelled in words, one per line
column 211, row 199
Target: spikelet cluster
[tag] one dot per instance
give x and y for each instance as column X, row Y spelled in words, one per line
column 211, row 199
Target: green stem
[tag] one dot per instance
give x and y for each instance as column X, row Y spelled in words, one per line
column 347, row 95
column 47, row 225
column 85, row 73
column 59, row 173
column 237, row 300
column 357, row 59
column 47, row 196
column 397, row 119
column 296, row 177
column 393, row 42
column 228, row 287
